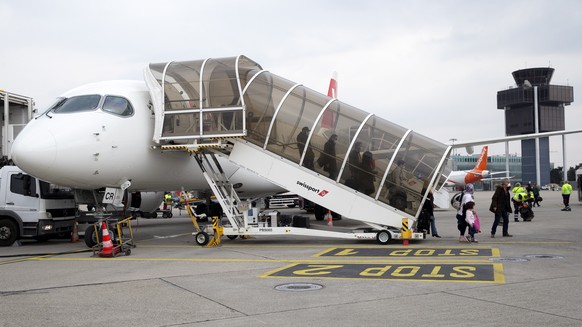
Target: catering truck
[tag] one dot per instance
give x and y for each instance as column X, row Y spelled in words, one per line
column 32, row 208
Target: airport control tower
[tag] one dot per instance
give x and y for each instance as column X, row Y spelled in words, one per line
column 520, row 108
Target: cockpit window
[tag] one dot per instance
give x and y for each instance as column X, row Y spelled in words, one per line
column 117, row 105
column 77, row 104
column 56, row 104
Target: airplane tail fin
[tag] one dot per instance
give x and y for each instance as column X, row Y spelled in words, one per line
column 332, row 90
column 327, row 120
column 482, row 161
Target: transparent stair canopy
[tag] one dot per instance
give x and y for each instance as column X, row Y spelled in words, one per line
column 199, row 99
column 236, row 97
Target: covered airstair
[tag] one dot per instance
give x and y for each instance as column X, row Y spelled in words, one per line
column 375, row 172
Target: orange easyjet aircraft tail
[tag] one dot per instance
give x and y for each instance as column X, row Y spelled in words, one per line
column 480, row 169
column 482, row 161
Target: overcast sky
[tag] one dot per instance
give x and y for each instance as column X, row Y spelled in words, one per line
column 432, row 66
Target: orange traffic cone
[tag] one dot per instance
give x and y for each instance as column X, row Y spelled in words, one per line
column 75, row 233
column 107, row 245
column 329, row 218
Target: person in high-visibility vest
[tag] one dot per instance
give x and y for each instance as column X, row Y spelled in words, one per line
column 530, row 195
column 520, row 199
column 517, row 189
column 167, row 200
column 566, row 191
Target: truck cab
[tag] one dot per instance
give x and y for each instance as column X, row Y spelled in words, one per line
column 32, row 208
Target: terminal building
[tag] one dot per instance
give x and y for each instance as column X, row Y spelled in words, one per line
column 534, row 105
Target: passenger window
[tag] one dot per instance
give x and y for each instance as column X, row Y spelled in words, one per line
column 117, row 105
column 79, row 103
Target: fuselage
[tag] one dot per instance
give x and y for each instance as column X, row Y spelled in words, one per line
column 462, row 178
column 90, row 148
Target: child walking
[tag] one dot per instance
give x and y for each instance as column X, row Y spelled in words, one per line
column 472, row 221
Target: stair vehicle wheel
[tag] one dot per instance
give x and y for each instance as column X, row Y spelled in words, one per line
column 383, row 237
column 202, row 238
column 231, row 237
column 128, row 252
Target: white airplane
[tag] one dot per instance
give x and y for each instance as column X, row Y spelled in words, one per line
column 100, row 135
column 478, row 173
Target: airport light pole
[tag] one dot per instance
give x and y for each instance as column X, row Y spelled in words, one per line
column 506, row 158
column 537, row 130
column 453, row 140
column 564, row 170
column 506, row 146
column 528, row 85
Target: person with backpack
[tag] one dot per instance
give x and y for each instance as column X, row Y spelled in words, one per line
column 501, row 207
column 328, row 159
column 467, row 196
column 367, row 174
column 301, row 145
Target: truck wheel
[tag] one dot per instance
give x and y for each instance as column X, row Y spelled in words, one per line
column 202, row 238
column 383, row 237
column 90, row 238
column 8, row 232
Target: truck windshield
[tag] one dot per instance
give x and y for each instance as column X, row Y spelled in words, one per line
column 52, row 191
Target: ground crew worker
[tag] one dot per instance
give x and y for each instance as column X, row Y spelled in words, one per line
column 516, row 190
column 519, row 199
column 167, row 200
column 566, row 191
column 530, row 195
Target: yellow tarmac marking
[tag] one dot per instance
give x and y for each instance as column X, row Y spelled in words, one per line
column 22, row 260
column 231, row 260
column 397, row 246
column 480, row 273
column 344, row 263
column 416, row 252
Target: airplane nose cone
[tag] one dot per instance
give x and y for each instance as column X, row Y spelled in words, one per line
column 35, row 152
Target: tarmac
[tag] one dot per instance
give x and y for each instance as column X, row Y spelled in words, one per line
column 531, row 279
